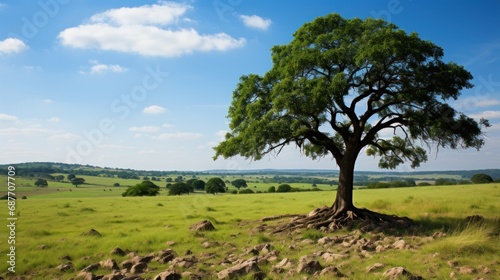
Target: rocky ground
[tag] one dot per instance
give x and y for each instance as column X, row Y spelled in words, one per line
column 220, row 260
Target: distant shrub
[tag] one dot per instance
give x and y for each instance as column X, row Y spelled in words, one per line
column 378, row 185
column 116, row 184
column 41, row 183
column 481, row 178
column 146, row 188
column 234, row 191
column 179, row 188
column 423, row 184
column 271, row 189
column 284, row 188
column 244, row 191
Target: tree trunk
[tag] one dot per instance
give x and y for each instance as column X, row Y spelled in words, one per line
column 343, row 201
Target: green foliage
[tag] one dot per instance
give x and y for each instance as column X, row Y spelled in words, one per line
column 198, row 184
column 239, row 183
column 215, row 185
column 271, row 189
column 41, row 183
column 179, row 188
column 116, row 184
column 71, row 177
column 481, row 178
column 245, row 191
column 284, row 188
column 77, row 181
column 146, row 188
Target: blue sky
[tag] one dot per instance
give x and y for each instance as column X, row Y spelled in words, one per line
column 147, row 84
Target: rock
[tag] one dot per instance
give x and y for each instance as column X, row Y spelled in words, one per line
column 166, row 256
column 186, row 262
column 333, row 271
column 138, row 268
column 170, row 243
column 467, row 270
column 91, row 232
column 118, row 251
column 205, row 225
column 374, row 267
column 113, row 276
column 308, row 265
column 127, row 264
column 239, row 270
column 109, row 264
column 91, row 267
column 330, row 257
column 399, row 244
column 168, row 275
column 65, row 266
column 191, row 276
column 452, row 263
column 85, row 275
column 398, row 272
column 65, row 258
column 209, row 244
column 284, row 265
column 42, row 247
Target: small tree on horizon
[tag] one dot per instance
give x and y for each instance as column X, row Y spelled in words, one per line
column 77, row 181
column 215, row 185
column 41, row 183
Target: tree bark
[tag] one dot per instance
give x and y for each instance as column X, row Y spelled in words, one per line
column 343, row 201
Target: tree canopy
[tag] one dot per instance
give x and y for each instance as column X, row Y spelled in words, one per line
column 215, row 185
column 179, row 188
column 41, row 183
column 481, row 178
column 239, row 183
column 146, row 188
column 77, row 181
column 338, row 88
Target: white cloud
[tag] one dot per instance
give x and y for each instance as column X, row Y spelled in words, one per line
column 54, row 119
column 167, row 125
column 256, row 22
column 221, row 134
column 487, row 115
column 99, row 68
column 141, row 30
column 154, row 109
column 163, row 14
column 145, row 129
column 487, row 103
column 12, row 45
column 64, row 136
column 48, row 101
column 178, row 136
column 5, row 117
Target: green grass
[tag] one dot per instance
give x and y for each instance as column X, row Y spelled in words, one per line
column 57, row 220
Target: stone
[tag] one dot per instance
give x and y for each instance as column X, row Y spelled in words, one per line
column 109, row 264
column 113, row 276
column 399, row 272
column 374, row 267
column 91, row 267
column 308, row 265
column 241, row 269
column 467, row 270
column 168, row 275
column 127, row 264
column 118, row 251
column 330, row 257
column 185, row 262
column 85, row 275
column 205, row 225
column 65, row 266
column 452, row 263
column 332, row 271
column 399, row 244
column 138, row 268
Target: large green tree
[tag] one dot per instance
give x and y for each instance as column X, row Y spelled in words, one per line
column 335, row 88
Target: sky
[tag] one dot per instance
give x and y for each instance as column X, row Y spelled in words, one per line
column 147, row 84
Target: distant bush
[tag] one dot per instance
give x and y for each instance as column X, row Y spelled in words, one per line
column 179, row 188
column 116, row 184
column 271, row 189
column 378, row 185
column 245, row 191
column 41, row 183
column 146, row 188
column 423, row 184
column 234, row 191
column 215, row 185
column 481, row 178
column 284, row 188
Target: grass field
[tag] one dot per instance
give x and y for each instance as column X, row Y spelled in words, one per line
column 55, row 220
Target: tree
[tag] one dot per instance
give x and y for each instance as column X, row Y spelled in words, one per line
column 481, row 178
column 59, row 178
column 146, row 188
column 198, row 184
column 215, row 185
column 334, row 88
column 284, row 188
column 41, row 183
column 71, row 177
column 77, row 181
column 238, row 183
column 179, row 188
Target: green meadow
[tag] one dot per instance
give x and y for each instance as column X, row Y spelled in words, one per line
column 52, row 222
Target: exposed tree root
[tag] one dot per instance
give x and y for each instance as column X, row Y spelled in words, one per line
column 330, row 219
